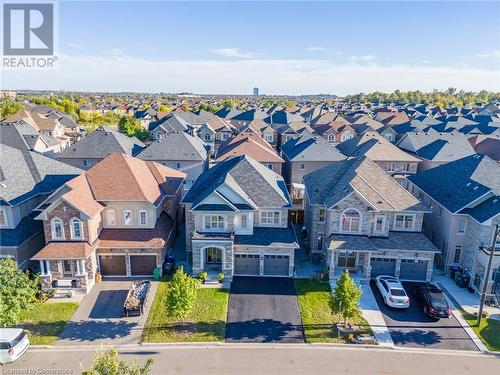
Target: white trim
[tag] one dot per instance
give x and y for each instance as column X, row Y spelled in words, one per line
column 72, row 229
column 108, row 220
column 403, row 229
column 207, row 218
column 131, row 222
column 5, row 220
column 273, row 212
column 52, row 227
column 375, row 223
column 360, row 223
column 145, row 217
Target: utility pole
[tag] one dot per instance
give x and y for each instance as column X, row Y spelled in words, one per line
column 488, row 270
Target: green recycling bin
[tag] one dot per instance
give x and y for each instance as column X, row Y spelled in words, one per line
column 156, row 273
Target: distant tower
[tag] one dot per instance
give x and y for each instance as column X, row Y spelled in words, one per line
column 255, row 91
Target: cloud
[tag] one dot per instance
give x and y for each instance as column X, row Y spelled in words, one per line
column 314, row 49
column 495, row 54
column 425, row 61
column 293, row 77
column 232, row 52
column 362, row 58
column 75, row 45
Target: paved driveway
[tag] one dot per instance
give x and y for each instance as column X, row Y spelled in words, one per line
column 263, row 309
column 412, row 328
column 99, row 317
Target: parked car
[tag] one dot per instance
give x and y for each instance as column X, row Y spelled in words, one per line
column 393, row 292
column 433, row 300
column 13, row 343
column 168, row 264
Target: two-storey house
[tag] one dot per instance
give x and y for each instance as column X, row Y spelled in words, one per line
column 237, row 221
column 465, row 200
column 360, row 219
column 116, row 219
column 214, row 132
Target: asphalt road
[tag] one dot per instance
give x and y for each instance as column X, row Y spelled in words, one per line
column 263, row 359
column 412, row 328
column 263, row 309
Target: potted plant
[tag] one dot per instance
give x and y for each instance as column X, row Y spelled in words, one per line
column 220, row 277
column 202, row 276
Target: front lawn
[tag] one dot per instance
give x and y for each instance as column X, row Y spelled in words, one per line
column 45, row 321
column 205, row 322
column 314, row 298
column 488, row 332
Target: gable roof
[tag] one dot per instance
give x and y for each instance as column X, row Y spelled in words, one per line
column 170, row 123
column 175, row 146
column 102, row 142
column 331, row 184
column 251, row 144
column 309, row 147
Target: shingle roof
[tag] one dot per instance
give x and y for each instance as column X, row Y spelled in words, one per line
column 66, row 250
column 26, row 229
column 272, row 237
column 250, row 144
column 175, row 146
column 171, row 123
column 309, row 147
column 101, row 143
column 404, row 241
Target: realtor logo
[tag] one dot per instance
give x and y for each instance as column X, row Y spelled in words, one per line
column 28, row 29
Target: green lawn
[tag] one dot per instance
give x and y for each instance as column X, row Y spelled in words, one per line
column 314, row 298
column 45, row 321
column 205, row 322
column 488, row 332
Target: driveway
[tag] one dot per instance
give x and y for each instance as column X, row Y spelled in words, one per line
column 412, row 328
column 99, row 317
column 263, row 309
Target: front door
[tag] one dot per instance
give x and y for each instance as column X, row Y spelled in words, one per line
column 67, row 267
column 347, row 259
column 213, row 256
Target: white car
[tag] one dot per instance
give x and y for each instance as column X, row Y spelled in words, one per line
column 13, row 343
column 393, row 292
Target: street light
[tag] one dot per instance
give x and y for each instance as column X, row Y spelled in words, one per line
column 488, row 270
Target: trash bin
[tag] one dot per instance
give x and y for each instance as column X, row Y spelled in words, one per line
column 156, row 273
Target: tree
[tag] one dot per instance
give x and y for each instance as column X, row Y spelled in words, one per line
column 181, row 294
column 108, row 363
column 17, row 292
column 346, row 298
column 9, row 107
column 132, row 128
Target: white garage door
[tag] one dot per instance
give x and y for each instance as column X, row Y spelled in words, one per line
column 246, row 264
column 276, row 265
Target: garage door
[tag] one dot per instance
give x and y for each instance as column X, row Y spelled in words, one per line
column 413, row 270
column 142, row 265
column 112, row 265
column 383, row 266
column 276, row 265
column 246, row 264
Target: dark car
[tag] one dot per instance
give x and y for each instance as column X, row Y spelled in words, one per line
column 168, row 264
column 433, row 300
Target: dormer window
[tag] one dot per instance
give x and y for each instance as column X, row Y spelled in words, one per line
column 76, row 228
column 350, row 221
column 57, row 229
column 404, row 222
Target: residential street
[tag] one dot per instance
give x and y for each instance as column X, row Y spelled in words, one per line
column 289, row 359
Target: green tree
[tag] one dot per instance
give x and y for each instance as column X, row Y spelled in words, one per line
column 9, row 107
column 181, row 294
column 346, row 298
column 108, row 363
column 17, row 292
column 132, row 128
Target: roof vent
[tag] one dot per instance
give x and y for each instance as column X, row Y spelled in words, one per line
column 468, row 184
column 475, row 188
column 494, row 200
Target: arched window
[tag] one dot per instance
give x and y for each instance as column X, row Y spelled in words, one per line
column 76, row 228
column 57, row 228
column 331, row 137
column 350, row 221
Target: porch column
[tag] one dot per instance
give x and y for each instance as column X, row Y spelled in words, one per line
column 202, row 261
column 368, row 267
column 332, row 266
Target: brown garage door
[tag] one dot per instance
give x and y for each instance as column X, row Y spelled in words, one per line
column 142, row 265
column 112, row 265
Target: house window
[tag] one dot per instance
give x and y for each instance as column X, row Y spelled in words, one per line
column 302, row 166
column 159, row 135
column 331, row 137
column 407, row 167
column 244, row 221
column 214, row 222
column 76, row 228
column 206, row 137
column 269, row 166
column 269, row 137
column 391, row 167
column 350, row 221
column 379, row 224
column 142, row 217
column 3, row 220
column 322, row 215
column 320, row 242
column 127, row 217
column 57, row 229
column 86, row 163
column 458, row 252
column 178, row 165
column 225, row 136
column 111, row 217
column 270, row 217
column 462, row 224
column 404, row 222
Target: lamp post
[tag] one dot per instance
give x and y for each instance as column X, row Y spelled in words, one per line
column 488, row 270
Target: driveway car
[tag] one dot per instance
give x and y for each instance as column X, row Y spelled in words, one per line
column 433, row 301
column 392, row 291
column 13, row 343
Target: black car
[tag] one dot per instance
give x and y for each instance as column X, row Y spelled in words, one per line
column 433, row 300
column 168, row 264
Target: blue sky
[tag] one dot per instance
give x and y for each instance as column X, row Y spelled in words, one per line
column 285, row 48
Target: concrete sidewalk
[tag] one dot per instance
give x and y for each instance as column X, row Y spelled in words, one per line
column 373, row 316
column 468, row 301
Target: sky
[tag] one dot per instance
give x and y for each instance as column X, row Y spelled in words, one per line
column 281, row 47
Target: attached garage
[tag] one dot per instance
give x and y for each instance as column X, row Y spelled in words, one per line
column 142, row 265
column 276, row 265
column 246, row 264
column 412, row 269
column 112, row 265
column 383, row 266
